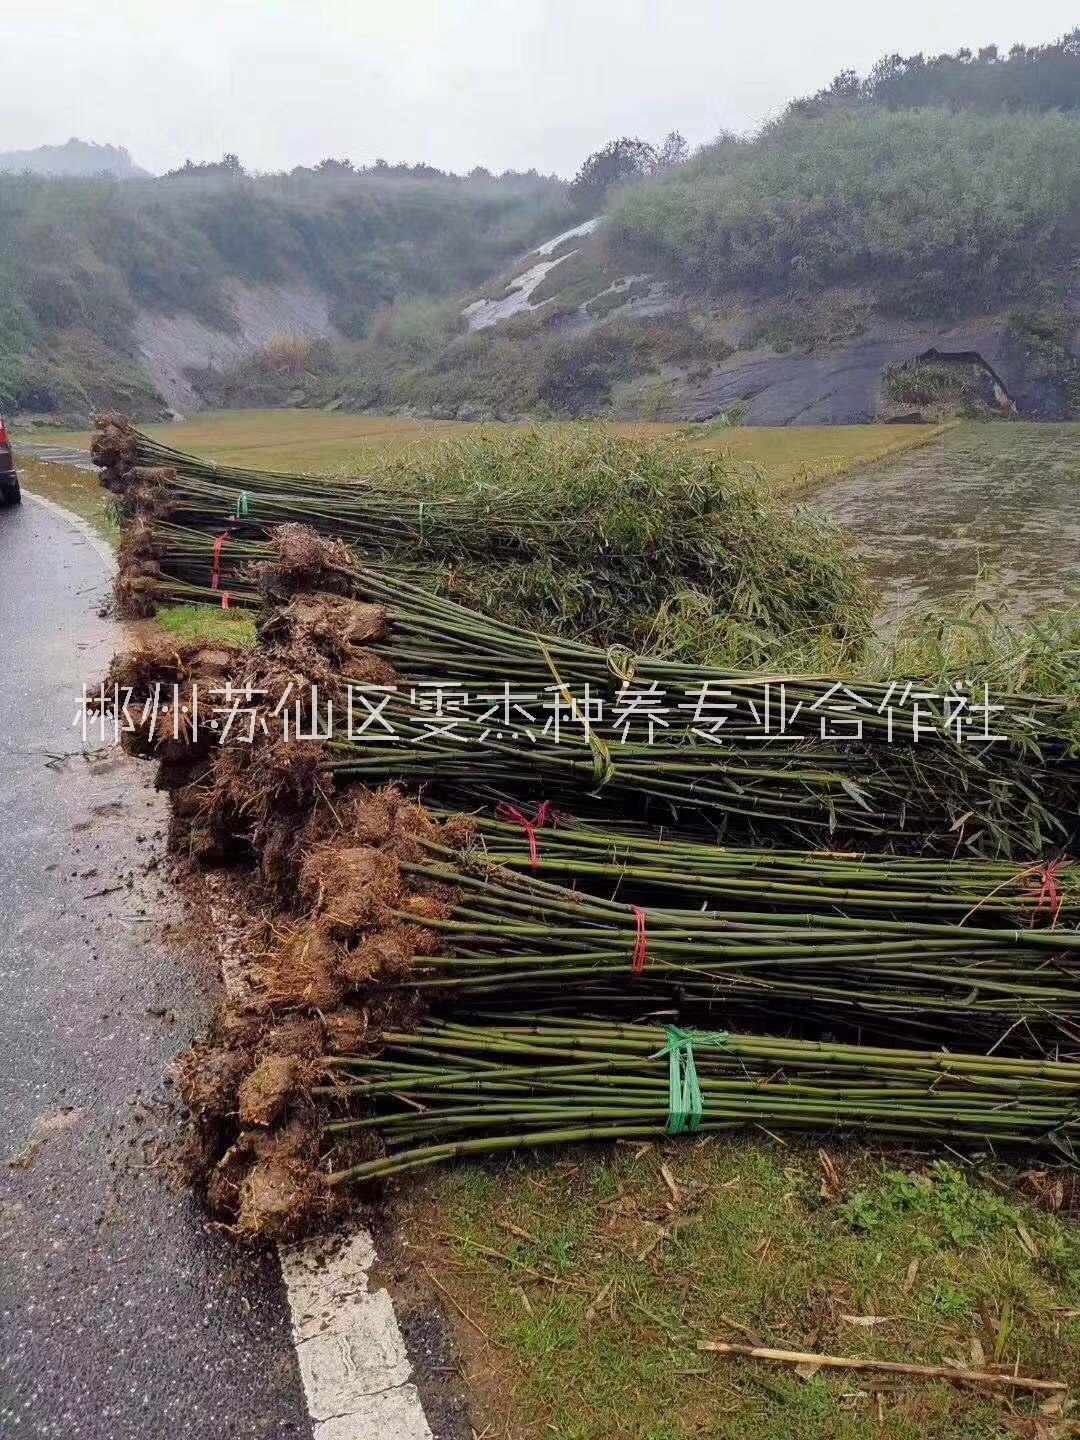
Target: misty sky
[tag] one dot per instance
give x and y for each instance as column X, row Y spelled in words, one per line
column 501, row 83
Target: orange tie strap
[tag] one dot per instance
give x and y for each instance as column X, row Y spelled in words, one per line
column 1043, row 885
column 641, row 942
column 543, row 815
column 215, row 578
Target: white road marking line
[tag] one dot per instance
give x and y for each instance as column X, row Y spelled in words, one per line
column 349, row 1347
column 352, row 1357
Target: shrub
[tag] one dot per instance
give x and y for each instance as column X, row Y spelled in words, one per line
column 287, row 352
column 650, row 545
column 923, row 383
column 418, row 329
column 1049, row 344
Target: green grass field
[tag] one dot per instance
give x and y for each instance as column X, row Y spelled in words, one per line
column 334, row 443
column 581, row 1282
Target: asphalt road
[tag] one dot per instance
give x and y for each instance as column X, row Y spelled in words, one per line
column 121, row 1314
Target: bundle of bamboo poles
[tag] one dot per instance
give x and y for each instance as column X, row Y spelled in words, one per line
column 786, row 940
column 634, row 861
column 448, row 1090
column 578, row 532
column 1019, row 794
column 514, row 938
column 202, row 495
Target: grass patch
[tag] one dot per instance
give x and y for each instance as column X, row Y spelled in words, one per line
column 577, row 278
column 76, row 490
column 609, row 300
column 595, row 1277
column 208, row 622
column 1019, row 656
column 794, row 457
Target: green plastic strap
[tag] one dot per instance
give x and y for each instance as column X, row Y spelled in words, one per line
column 243, row 504
column 622, row 662
column 684, row 1091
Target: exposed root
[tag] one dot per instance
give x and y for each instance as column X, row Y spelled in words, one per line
column 268, row 1186
column 347, row 1030
column 350, row 887
column 274, row 1081
column 303, row 971
column 210, row 1079
column 337, row 630
column 305, row 561
column 113, row 449
column 335, row 906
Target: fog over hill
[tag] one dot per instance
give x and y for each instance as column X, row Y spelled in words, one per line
column 924, row 215
column 76, row 157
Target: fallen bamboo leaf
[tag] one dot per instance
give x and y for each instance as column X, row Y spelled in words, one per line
column 659, row 1233
column 751, row 1336
column 807, row 1370
column 1027, row 1242
column 669, row 1181
column 891, row 1367
column 909, row 1278
column 763, row 1249
column 590, row 1313
column 866, row 1320
column 831, row 1186
column 517, row 1230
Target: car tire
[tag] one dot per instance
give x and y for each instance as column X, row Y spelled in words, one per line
column 11, row 493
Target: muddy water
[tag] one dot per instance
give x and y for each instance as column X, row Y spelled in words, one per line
column 989, row 511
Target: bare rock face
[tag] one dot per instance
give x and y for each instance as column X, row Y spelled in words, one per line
column 170, row 345
column 843, row 385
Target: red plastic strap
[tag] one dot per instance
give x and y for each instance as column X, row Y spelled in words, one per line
column 511, row 812
column 215, row 578
column 641, row 943
column 225, row 603
column 1044, row 887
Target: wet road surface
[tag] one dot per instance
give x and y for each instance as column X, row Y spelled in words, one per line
column 989, row 511
column 121, row 1314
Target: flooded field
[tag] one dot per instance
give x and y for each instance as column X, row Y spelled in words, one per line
column 988, row 510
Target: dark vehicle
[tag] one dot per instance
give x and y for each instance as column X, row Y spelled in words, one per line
column 9, row 479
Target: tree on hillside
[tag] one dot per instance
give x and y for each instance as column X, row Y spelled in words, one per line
column 1030, row 77
column 672, row 150
column 619, row 160
column 228, row 166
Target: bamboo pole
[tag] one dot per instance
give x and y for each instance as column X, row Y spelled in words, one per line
column 889, row 1367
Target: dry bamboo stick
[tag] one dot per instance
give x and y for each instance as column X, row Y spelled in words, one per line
column 892, row 1367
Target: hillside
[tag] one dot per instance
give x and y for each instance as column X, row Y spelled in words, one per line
column 901, row 244
column 74, row 158
column 843, row 266
column 110, row 293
